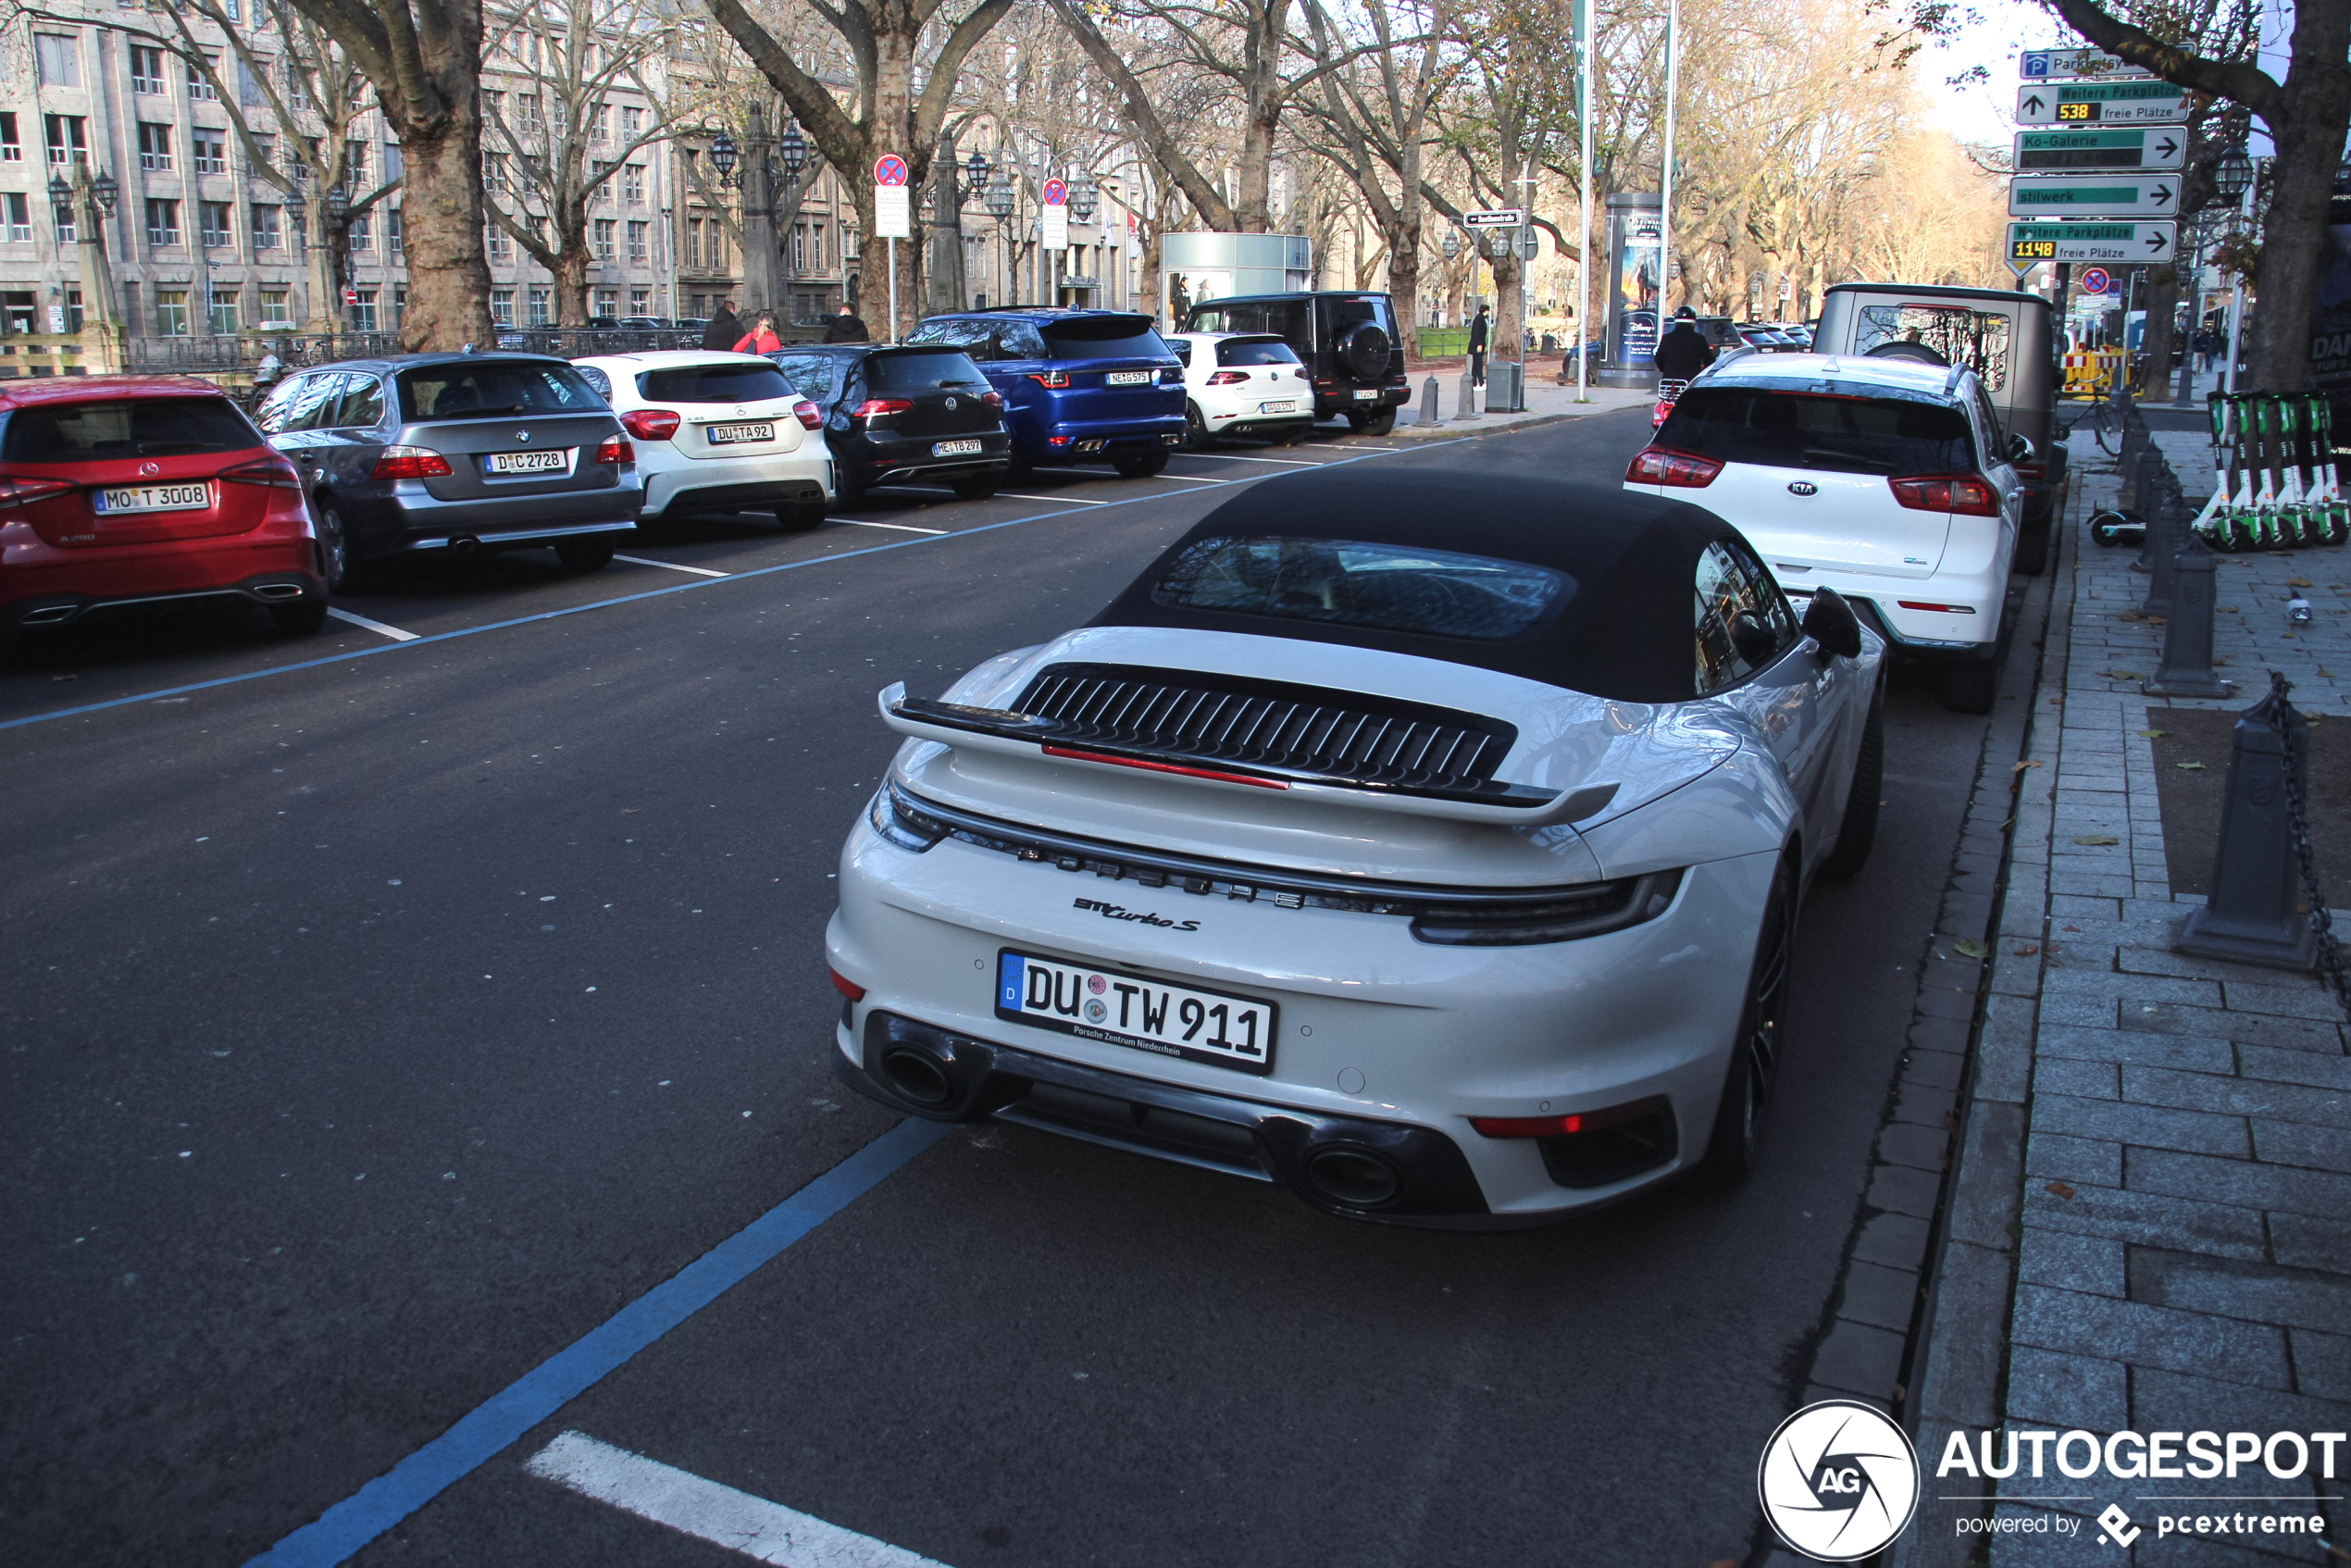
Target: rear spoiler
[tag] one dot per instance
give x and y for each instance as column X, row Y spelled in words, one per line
column 1027, row 736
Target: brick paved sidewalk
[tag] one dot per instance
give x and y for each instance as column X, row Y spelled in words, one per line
column 2150, row 1227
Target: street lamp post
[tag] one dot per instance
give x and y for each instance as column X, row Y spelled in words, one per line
column 1083, row 203
column 94, row 198
column 999, row 207
column 792, row 148
column 2232, row 178
column 337, row 205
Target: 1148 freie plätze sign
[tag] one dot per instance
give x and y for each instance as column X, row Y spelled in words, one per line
column 2091, row 241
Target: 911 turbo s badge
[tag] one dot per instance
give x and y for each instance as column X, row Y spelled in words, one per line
column 1120, row 912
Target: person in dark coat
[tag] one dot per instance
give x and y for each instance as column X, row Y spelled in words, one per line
column 725, row 329
column 846, row 328
column 1478, row 349
column 1682, row 354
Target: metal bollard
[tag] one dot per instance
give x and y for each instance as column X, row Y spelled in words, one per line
column 2142, row 497
column 2186, row 670
column 1429, row 400
column 2252, row 915
column 1468, row 409
column 2166, row 529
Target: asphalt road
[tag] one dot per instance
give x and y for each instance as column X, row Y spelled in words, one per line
column 377, row 1029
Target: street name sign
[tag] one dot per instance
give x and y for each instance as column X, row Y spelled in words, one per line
column 2042, row 65
column 2093, row 196
column 1502, row 217
column 2148, row 147
column 893, row 216
column 2101, row 103
column 2121, row 242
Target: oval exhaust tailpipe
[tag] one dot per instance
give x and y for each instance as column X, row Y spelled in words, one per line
column 915, row 1076
column 1356, row 1178
column 465, row 544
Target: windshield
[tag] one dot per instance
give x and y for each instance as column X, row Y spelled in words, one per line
column 1116, row 337
column 1386, row 587
column 922, row 372
column 1254, row 351
column 489, row 388
column 118, row 428
column 1839, row 433
column 726, row 382
column 1977, row 339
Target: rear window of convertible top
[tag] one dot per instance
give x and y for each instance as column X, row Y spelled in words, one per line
column 1383, row 587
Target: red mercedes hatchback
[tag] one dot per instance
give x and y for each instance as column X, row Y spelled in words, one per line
column 118, row 492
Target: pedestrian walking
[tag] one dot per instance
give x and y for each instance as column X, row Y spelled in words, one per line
column 846, row 328
column 724, row 328
column 762, row 338
column 1478, row 349
column 1681, row 353
column 2207, row 344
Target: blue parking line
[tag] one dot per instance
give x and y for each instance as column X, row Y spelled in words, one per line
column 1090, row 509
column 347, row 1528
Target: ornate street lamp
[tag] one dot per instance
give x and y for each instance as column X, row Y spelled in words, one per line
column 337, row 205
column 1081, row 198
column 59, row 192
column 2233, row 174
column 1452, row 245
column 1000, row 192
column 103, row 188
column 974, row 175
column 794, row 147
column 722, row 157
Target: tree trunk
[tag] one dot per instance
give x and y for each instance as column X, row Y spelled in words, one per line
column 2294, row 249
column 1404, row 280
column 440, row 222
column 570, row 269
column 2161, row 303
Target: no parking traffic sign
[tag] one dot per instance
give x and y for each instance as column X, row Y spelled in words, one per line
column 889, row 169
column 1056, row 215
column 2096, row 281
column 892, row 217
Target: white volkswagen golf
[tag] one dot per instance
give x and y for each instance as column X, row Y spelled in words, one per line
column 1430, row 843
column 1881, row 478
column 1242, row 383
column 717, row 432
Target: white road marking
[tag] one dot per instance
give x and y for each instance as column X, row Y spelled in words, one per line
column 721, row 1516
column 647, row 561
column 1187, row 479
column 1080, row 499
column 377, row 627
column 1229, row 457
column 901, row 527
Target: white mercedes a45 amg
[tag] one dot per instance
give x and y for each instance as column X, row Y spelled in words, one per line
column 1430, row 844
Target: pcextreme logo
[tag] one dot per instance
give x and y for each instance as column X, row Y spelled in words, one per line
column 1839, row 1481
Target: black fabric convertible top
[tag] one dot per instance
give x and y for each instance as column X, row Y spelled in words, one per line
column 1626, row 632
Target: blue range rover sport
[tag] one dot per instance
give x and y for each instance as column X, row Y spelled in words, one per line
column 1078, row 385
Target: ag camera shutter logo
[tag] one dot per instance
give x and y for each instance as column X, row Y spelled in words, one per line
column 1839, row 1481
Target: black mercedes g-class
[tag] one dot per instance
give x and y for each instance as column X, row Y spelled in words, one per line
column 1347, row 340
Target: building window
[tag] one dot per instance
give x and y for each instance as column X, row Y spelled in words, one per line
column 11, row 149
column 393, row 236
column 146, row 69
column 600, row 125
column 816, row 235
column 15, row 310
column 220, row 314
column 539, row 308
column 73, row 310
column 155, row 147
column 212, row 220
column 199, row 84
column 608, row 301
column 19, row 220
column 502, row 249
column 163, row 222
column 502, row 306
column 632, row 183
column 68, row 138
column 266, row 234
column 640, row 246
column 171, row 311
column 632, row 123
column 210, row 151
column 493, row 171
column 604, row 226
column 363, row 311
column 393, row 169
column 693, row 243
column 57, row 58
column 398, row 303
column 249, row 91
column 64, row 211
column 640, row 302
column 362, row 233
column 800, row 247
column 275, row 308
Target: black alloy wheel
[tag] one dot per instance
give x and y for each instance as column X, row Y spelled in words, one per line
column 849, row 488
column 1732, row 1152
column 1972, row 687
column 978, row 486
column 303, row 617
column 335, row 562
column 801, row 515
column 1135, row 463
column 585, row 552
column 1195, row 436
column 1380, row 423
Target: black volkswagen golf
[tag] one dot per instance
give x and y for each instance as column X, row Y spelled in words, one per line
column 902, row 416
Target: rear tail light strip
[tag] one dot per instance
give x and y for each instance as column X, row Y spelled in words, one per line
column 616, row 452
column 274, row 472
column 20, row 492
column 410, row 463
column 1682, row 470
column 1963, row 493
column 875, row 407
column 650, row 424
column 1940, row 609
column 808, row 414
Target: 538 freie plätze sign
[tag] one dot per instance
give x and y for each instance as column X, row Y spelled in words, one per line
column 2101, row 103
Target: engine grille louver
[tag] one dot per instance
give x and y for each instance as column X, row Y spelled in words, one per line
column 1267, row 723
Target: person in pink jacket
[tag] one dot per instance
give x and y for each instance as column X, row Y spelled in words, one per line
column 762, row 338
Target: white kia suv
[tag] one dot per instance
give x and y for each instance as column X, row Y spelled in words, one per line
column 1242, row 383
column 1886, row 480
column 717, row 432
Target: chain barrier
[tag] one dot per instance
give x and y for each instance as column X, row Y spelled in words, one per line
column 2284, row 719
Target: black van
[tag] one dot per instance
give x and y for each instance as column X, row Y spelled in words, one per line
column 1347, row 339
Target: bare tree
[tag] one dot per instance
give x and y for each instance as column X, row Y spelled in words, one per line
column 885, row 40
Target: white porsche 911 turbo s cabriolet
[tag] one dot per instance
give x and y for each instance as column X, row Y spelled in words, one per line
column 1428, row 843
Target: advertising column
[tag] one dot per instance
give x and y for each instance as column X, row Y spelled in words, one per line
column 1633, row 289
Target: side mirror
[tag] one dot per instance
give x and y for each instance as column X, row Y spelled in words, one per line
column 2022, row 450
column 1830, row 621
